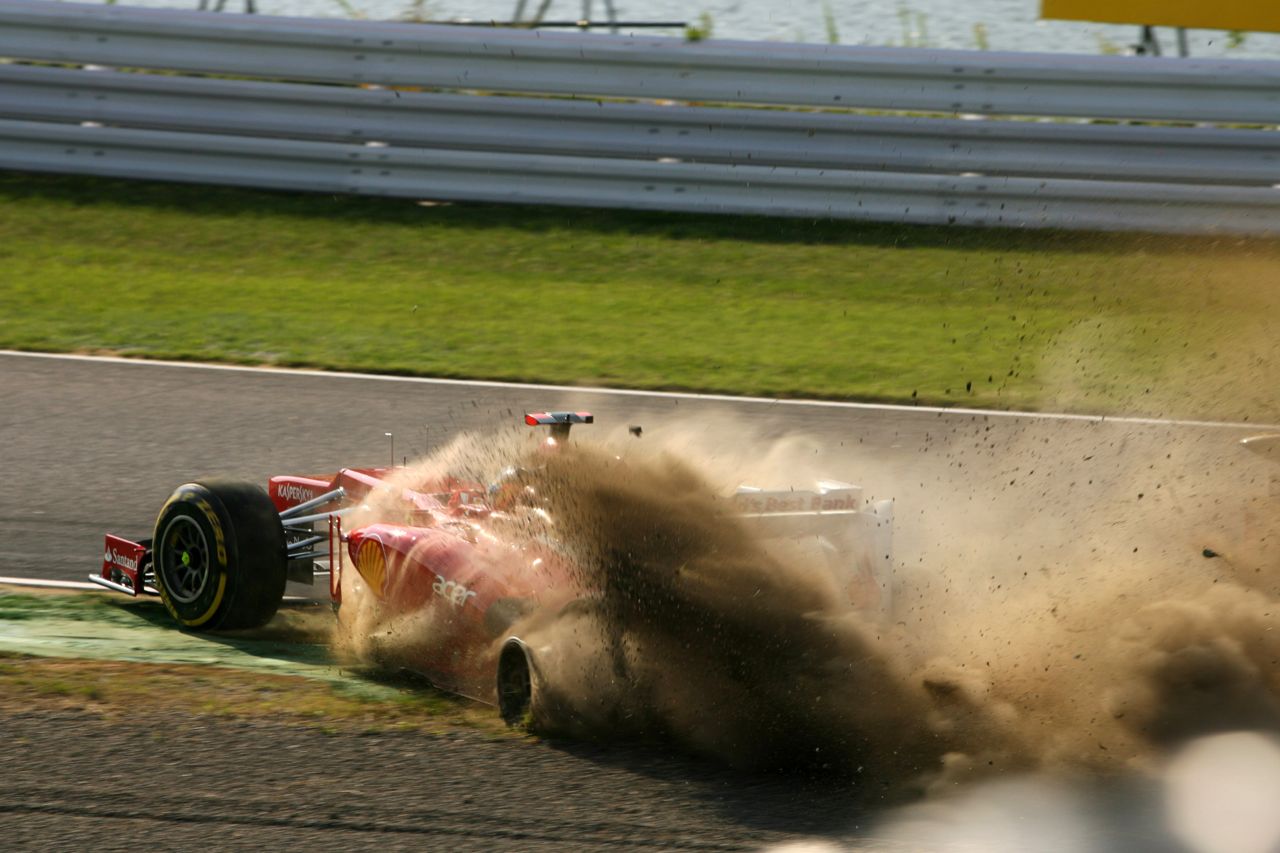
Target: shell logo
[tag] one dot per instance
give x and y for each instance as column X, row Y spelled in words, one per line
column 371, row 563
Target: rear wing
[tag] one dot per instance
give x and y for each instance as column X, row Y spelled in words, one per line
column 560, row 422
column 852, row 538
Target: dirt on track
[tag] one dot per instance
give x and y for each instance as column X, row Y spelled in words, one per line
column 80, row 771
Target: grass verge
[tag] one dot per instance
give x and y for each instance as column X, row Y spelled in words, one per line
column 660, row 301
column 106, row 669
column 119, row 688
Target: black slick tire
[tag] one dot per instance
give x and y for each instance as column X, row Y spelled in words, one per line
column 219, row 556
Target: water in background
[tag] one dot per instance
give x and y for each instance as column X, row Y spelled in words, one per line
column 987, row 24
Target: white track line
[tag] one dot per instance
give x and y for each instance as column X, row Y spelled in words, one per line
column 623, row 392
column 40, row 583
column 46, row 584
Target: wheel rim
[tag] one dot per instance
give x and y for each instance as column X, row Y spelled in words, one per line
column 183, row 557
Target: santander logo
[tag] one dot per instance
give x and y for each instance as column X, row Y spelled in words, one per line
column 115, row 558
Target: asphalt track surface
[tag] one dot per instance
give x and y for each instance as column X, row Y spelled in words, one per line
column 183, row 783
column 91, row 446
column 96, row 446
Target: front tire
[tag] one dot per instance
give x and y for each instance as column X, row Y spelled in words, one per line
column 219, row 556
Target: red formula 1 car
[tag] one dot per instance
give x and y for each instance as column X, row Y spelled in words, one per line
column 221, row 554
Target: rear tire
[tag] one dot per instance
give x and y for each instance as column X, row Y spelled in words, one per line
column 219, row 556
column 515, row 683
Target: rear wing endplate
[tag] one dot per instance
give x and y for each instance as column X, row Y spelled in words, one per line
column 854, row 537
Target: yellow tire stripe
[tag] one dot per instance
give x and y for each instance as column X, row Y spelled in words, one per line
column 213, row 608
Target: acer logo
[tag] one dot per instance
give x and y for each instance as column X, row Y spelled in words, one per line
column 452, row 591
column 115, row 558
column 293, row 492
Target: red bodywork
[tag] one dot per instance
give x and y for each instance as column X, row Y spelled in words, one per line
column 449, row 562
column 461, row 561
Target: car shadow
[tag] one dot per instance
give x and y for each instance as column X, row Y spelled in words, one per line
column 779, row 801
column 298, row 633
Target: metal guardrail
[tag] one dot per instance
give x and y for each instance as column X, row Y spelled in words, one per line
column 460, row 145
column 946, row 81
column 640, row 184
column 641, row 131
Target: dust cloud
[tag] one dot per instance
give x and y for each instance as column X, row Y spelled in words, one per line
column 366, row 632
column 1072, row 597
column 695, row 631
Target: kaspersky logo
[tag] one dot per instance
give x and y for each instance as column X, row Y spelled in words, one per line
column 294, row 492
column 115, row 558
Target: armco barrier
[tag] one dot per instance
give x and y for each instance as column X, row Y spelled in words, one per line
column 641, row 131
column 287, row 133
column 644, row 67
column 640, row 184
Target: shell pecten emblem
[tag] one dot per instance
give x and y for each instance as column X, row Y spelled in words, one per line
column 371, row 563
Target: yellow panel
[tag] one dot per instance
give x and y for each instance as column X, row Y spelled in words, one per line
column 1251, row 15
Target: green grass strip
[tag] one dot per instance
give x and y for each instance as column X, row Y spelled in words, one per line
column 756, row 306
